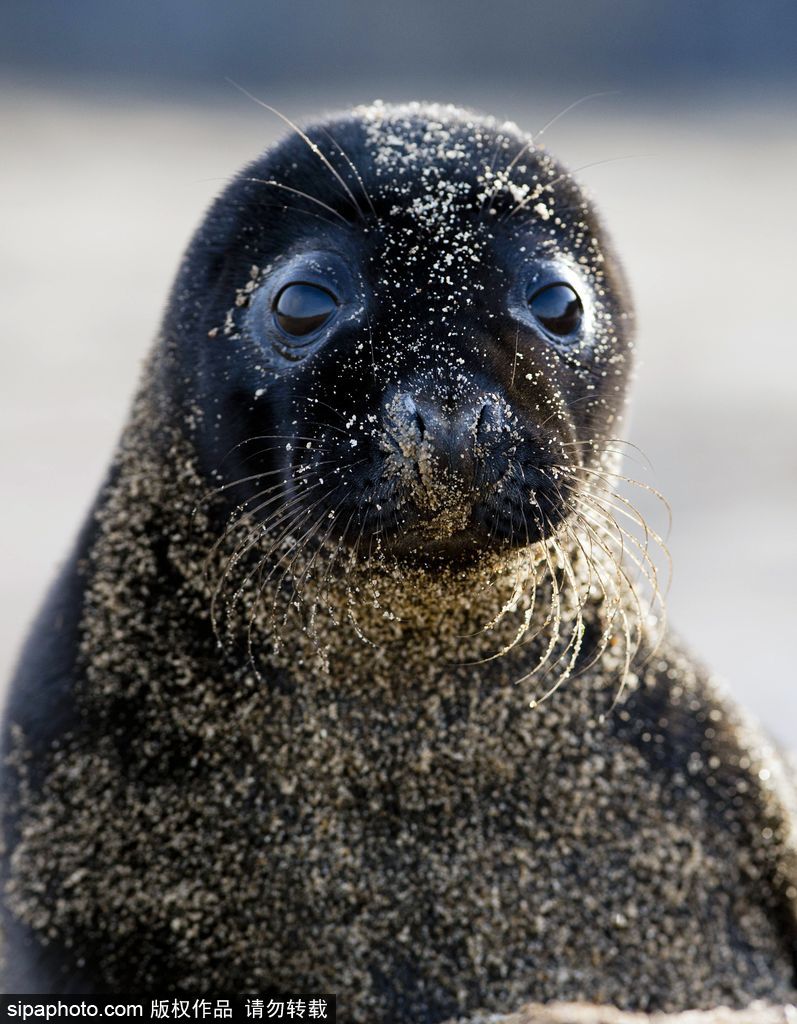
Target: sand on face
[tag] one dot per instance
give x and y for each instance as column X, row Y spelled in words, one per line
column 100, row 196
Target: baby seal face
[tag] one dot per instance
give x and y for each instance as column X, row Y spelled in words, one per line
column 413, row 336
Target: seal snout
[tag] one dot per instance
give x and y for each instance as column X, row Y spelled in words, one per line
column 446, row 453
column 446, row 440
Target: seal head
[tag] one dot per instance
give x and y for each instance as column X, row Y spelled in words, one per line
column 430, row 338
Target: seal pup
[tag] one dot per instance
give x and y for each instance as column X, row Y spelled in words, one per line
column 348, row 685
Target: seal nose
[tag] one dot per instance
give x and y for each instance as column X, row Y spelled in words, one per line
column 456, row 432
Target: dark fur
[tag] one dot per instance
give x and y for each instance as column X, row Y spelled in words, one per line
column 362, row 365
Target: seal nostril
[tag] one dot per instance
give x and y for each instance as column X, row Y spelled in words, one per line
column 412, row 413
column 489, row 417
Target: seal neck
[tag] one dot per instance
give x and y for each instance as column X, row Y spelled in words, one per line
column 534, row 616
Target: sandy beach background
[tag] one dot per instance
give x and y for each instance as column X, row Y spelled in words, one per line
column 100, row 191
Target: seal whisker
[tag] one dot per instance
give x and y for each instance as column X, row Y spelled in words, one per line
column 514, row 361
column 313, row 147
column 370, row 581
column 599, row 443
column 328, row 426
column 631, row 645
column 236, row 521
column 315, row 400
column 354, row 170
column 309, row 540
column 290, row 209
column 270, row 556
column 240, row 552
column 299, row 549
column 518, row 589
column 298, row 192
column 239, row 481
column 602, row 543
column 576, row 637
column 606, row 475
column 244, row 516
column 650, row 575
column 266, row 560
column 634, row 516
column 608, row 522
column 610, row 601
column 260, row 437
column 572, row 106
column 644, row 563
column 325, row 583
column 632, row 639
column 554, row 616
column 294, row 505
column 567, row 175
column 283, row 207
column 536, row 136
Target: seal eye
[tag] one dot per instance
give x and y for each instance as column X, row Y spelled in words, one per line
column 300, row 309
column 558, row 308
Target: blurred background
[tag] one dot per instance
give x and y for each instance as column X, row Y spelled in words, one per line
column 118, row 126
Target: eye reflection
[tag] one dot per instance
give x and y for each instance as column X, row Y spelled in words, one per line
column 557, row 308
column 300, row 309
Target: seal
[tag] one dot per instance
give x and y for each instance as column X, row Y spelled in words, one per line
column 356, row 681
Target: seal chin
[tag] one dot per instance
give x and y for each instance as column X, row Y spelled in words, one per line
column 435, row 519
column 462, row 549
column 463, row 535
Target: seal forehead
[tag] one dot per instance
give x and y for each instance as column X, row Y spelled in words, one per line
column 435, row 157
column 404, row 138
column 443, row 173
column 430, row 171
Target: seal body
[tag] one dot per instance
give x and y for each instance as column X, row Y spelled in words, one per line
column 348, row 686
